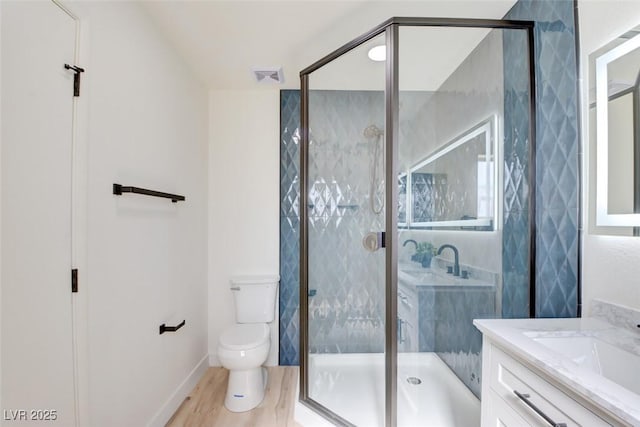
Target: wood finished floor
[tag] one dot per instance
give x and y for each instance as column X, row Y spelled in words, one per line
column 204, row 407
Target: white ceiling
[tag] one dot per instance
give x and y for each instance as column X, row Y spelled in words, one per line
column 223, row 40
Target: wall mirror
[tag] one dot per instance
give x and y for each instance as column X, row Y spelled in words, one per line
column 403, row 199
column 454, row 188
column 615, row 122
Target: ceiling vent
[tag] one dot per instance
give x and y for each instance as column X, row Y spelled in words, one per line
column 268, row 75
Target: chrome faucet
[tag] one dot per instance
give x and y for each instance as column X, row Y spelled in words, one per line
column 456, row 259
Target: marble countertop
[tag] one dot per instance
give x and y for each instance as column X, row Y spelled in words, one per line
column 437, row 276
column 516, row 336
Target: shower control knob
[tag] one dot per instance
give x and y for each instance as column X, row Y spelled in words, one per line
column 373, row 241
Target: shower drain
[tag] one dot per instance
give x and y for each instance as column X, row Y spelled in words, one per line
column 414, row 380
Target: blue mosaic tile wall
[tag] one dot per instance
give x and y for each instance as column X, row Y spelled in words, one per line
column 516, row 221
column 444, row 319
column 557, row 179
column 289, row 226
column 428, row 196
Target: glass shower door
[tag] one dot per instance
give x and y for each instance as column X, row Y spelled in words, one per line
column 346, row 217
column 463, row 151
column 387, row 332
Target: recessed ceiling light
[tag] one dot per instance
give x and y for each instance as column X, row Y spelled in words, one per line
column 378, row 53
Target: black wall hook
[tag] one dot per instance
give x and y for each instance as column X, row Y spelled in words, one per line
column 76, row 77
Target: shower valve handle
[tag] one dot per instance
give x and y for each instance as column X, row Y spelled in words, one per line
column 373, row 241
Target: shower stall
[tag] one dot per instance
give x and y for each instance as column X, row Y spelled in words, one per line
column 416, row 180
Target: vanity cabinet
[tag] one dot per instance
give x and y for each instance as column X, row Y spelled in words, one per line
column 514, row 394
column 407, row 317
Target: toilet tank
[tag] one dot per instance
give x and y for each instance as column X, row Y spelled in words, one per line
column 255, row 298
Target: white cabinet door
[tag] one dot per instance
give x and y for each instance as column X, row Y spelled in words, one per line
column 512, row 390
column 37, row 39
column 499, row 414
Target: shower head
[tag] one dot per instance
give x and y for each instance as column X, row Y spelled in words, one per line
column 372, row 131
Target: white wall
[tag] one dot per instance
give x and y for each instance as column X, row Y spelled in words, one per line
column 144, row 121
column 0, row 222
column 610, row 268
column 244, row 171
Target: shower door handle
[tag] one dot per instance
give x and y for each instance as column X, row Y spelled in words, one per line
column 373, row 241
column 400, row 331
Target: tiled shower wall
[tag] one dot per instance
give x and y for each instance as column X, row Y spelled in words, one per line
column 346, row 310
column 516, row 150
column 347, row 305
column 289, row 226
column 346, row 282
column 557, row 177
column 445, row 327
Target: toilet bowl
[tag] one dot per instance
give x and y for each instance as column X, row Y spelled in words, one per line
column 244, row 347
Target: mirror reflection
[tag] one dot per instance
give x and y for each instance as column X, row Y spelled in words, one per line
column 403, row 199
column 454, row 187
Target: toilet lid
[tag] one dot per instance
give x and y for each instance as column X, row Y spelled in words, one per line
column 245, row 336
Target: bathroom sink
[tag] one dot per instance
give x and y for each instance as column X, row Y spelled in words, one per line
column 437, row 277
column 430, row 277
column 589, row 352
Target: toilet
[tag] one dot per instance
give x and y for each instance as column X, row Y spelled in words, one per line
column 244, row 347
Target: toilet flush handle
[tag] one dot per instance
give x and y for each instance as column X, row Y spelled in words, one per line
column 235, row 288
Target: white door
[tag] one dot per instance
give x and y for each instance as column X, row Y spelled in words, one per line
column 37, row 38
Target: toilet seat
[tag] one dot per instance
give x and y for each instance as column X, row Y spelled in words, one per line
column 245, row 336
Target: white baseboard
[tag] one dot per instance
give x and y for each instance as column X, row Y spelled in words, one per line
column 165, row 413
